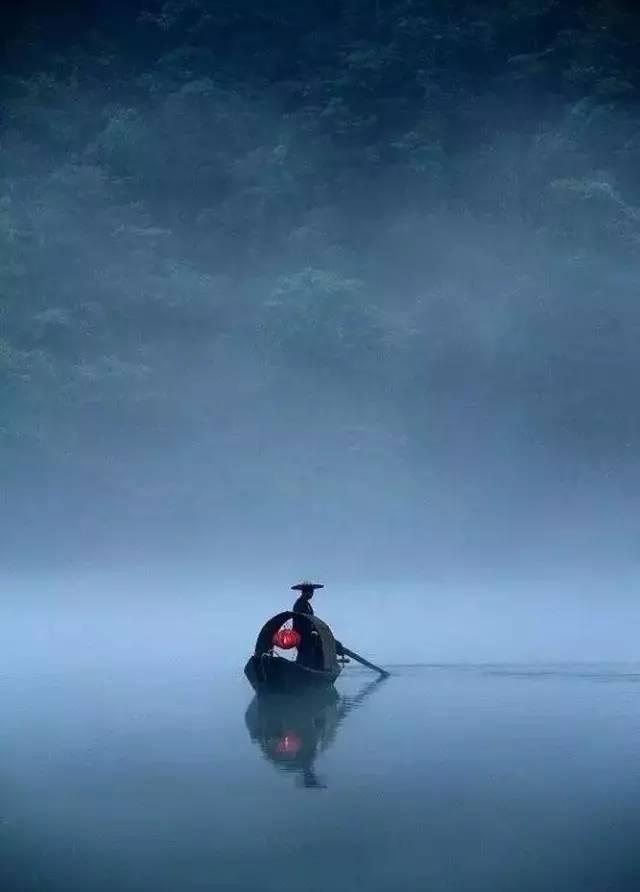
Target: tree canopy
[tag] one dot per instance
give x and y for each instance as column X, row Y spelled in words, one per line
column 229, row 219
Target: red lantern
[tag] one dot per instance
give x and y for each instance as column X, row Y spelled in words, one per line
column 289, row 745
column 286, row 639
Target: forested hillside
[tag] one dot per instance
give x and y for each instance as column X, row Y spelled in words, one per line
column 272, row 253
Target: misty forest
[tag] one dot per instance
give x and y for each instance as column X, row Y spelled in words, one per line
column 319, row 356
column 351, row 282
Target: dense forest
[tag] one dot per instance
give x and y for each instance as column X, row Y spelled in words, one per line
column 266, row 252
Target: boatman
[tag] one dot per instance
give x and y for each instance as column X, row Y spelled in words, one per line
column 307, row 649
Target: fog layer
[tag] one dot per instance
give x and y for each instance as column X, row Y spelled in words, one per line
column 347, row 290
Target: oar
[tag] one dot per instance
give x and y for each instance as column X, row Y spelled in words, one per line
column 354, row 656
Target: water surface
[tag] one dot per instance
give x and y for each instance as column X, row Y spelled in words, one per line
column 169, row 777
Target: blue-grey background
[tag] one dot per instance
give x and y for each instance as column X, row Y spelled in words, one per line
column 137, row 771
column 344, row 290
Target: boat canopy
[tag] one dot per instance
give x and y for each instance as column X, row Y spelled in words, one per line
column 327, row 641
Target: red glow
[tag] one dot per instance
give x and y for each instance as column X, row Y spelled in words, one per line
column 286, row 639
column 289, row 745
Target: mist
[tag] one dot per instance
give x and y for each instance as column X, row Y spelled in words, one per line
column 320, row 293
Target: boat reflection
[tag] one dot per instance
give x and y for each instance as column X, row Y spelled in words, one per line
column 292, row 731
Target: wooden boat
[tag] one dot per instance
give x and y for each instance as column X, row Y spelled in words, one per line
column 268, row 671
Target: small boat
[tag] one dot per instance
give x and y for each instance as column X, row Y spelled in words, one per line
column 269, row 671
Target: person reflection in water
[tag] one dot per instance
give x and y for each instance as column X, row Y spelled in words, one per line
column 293, row 731
column 309, row 651
column 309, row 780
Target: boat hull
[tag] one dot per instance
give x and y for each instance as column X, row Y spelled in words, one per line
column 274, row 674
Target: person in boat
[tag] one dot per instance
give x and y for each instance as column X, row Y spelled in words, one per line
column 310, row 651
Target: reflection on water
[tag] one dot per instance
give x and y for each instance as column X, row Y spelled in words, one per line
column 455, row 779
column 292, row 731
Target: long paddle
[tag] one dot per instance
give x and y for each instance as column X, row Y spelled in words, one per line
column 354, row 656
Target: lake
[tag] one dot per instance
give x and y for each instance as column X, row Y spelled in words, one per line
column 439, row 778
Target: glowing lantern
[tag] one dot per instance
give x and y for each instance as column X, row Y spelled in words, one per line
column 289, row 745
column 286, row 639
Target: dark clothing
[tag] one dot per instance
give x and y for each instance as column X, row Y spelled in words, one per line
column 303, row 605
column 307, row 651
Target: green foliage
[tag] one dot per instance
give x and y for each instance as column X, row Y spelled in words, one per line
column 319, row 318
column 361, row 191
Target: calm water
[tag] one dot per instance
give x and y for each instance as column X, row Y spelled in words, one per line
column 459, row 778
